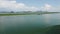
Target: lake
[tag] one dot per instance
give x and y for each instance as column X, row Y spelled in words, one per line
column 27, row 24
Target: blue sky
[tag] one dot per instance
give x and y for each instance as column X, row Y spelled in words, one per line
column 29, row 5
column 40, row 2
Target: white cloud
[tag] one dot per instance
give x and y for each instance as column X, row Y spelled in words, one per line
column 46, row 7
column 13, row 5
column 50, row 8
column 7, row 0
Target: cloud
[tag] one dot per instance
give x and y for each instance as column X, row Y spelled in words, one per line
column 12, row 5
column 46, row 7
column 50, row 8
column 7, row 0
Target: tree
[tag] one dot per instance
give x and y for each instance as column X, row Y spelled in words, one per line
column 12, row 11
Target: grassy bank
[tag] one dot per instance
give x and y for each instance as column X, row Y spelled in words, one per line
column 11, row 14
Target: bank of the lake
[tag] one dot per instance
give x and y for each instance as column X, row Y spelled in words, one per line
column 13, row 14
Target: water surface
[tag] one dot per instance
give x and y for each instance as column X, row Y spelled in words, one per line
column 27, row 24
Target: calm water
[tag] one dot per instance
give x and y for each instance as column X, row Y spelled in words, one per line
column 27, row 24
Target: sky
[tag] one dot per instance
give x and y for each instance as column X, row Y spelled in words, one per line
column 30, row 5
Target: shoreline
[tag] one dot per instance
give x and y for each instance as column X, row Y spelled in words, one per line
column 13, row 14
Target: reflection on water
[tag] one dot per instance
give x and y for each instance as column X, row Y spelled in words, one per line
column 47, row 18
column 2, row 23
column 27, row 23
